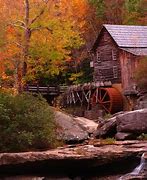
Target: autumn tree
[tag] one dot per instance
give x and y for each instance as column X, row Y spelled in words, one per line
column 43, row 36
column 44, row 39
column 84, row 17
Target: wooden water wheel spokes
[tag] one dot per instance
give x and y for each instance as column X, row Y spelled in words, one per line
column 104, row 99
column 109, row 99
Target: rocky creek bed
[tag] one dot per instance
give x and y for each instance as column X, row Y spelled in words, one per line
column 84, row 157
column 89, row 160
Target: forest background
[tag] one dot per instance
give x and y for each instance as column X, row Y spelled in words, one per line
column 47, row 42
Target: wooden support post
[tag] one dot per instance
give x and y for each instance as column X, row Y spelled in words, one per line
column 73, row 97
column 80, row 99
column 37, row 88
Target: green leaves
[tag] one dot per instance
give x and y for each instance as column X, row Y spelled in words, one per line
column 132, row 5
column 49, row 53
column 26, row 122
column 100, row 7
column 132, row 11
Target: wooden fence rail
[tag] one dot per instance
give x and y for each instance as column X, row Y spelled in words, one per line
column 45, row 90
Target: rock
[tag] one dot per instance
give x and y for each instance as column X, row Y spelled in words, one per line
column 56, row 178
column 87, row 125
column 94, row 113
column 22, row 178
column 133, row 122
column 106, row 129
column 142, row 101
column 118, row 113
column 68, row 158
column 90, row 114
column 124, row 136
column 142, row 104
column 100, row 121
column 69, row 130
column 123, row 126
column 132, row 177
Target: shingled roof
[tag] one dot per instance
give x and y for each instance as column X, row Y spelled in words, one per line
column 136, row 51
column 130, row 38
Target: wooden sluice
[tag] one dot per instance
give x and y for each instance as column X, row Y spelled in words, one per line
column 91, row 94
column 87, row 96
column 50, row 93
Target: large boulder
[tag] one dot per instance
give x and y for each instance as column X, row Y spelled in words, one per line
column 106, row 129
column 132, row 122
column 68, row 129
column 87, row 125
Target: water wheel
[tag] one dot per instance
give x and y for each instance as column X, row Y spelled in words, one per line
column 110, row 99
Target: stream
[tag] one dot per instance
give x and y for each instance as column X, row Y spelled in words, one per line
column 140, row 172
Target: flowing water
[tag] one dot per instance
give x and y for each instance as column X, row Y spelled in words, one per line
column 138, row 171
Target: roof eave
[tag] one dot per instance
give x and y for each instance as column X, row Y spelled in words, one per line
column 96, row 42
column 134, row 53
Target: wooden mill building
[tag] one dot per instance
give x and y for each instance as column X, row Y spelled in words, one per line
column 116, row 54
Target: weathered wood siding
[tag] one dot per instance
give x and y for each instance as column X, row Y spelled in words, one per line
column 129, row 63
column 106, row 60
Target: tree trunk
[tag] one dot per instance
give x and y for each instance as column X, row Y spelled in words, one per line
column 27, row 35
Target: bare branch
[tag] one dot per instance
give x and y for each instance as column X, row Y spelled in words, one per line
column 40, row 27
column 27, row 12
column 22, row 23
column 16, row 25
column 41, row 12
column 16, row 43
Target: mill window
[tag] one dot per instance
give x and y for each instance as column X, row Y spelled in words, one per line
column 115, row 72
column 114, row 55
column 98, row 58
column 91, row 64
